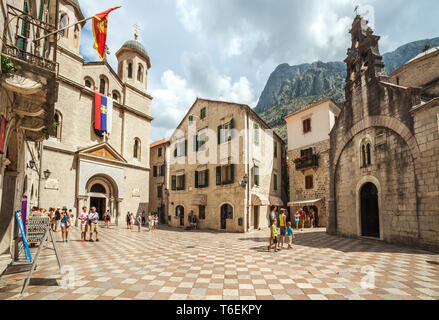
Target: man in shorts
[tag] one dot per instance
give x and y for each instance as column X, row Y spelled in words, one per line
column 83, row 217
column 93, row 220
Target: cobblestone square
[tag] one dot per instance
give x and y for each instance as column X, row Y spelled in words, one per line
column 181, row 265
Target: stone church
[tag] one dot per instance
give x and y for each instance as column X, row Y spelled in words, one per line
column 110, row 172
column 384, row 156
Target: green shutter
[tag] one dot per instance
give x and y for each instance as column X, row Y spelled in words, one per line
column 196, row 143
column 218, row 176
column 184, row 182
column 219, row 134
column 232, row 169
column 185, row 147
column 206, row 178
column 174, row 182
column 232, row 126
column 175, row 151
column 196, row 179
column 155, row 171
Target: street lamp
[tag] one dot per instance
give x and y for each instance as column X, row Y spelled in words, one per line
column 47, row 174
column 31, row 164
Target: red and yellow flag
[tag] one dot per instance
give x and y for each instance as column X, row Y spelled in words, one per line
column 100, row 23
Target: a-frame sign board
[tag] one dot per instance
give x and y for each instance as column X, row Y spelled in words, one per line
column 43, row 244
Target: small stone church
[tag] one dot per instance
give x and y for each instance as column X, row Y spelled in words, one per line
column 384, row 157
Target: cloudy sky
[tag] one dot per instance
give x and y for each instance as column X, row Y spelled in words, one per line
column 227, row 49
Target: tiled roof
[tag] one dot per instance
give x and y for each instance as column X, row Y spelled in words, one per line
column 157, row 143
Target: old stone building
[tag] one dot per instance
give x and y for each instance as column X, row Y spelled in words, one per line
column 159, row 180
column 88, row 168
column 384, row 156
column 28, row 92
column 226, row 166
column 308, row 154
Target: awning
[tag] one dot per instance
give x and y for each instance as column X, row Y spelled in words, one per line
column 276, row 201
column 303, row 203
column 199, row 200
column 260, row 200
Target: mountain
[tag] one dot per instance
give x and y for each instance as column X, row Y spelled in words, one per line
column 290, row 88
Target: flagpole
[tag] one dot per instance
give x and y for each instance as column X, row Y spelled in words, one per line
column 59, row 30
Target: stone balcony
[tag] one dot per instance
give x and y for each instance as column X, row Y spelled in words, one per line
column 307, row 162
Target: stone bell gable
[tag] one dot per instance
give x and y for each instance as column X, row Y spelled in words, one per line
column 376, row 163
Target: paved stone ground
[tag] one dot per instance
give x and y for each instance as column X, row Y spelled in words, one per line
column 177, row 265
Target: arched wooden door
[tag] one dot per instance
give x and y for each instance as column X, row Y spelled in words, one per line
column 370, row 217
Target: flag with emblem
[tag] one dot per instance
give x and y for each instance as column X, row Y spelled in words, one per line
column 100, row 23
column 103, row 113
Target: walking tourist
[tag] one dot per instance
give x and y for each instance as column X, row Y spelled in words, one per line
column 273, row 215
column 149, row 221
column 132, row 221
column 65, row 225
column 273, row 236
column 290, row 235
column 93, row 220
column 283, row 228
column 128, row 219
column 143, row 218
column 107, row 219
column 57, row 219
column 297, row 219
column 156, row 221
column 139, row 222
column 52, row 218
column 311, row 218
column 84, row 223
column 302, row 218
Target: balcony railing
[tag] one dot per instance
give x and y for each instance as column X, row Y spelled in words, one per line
column 307, row 162
column 21, row 29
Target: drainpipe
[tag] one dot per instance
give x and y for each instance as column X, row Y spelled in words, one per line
column 40, row 177
column 248, row 167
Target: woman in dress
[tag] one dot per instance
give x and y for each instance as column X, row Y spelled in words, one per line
column 65, row 225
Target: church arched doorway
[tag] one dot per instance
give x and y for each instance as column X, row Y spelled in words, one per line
column 370, row 218
column 102, row 193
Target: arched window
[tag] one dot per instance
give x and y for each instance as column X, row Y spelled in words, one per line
column 366, row 153
column 56, row 126
column 64, row 22
column 116, row 96
column 130, row 70
column 137, row 149
column 76, row 37
column 98, row 188
column 140, row 73
column 102, row 85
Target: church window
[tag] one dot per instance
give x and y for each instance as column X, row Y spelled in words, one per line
column 130, row 70
column 64, row 22
column 76, row 37
column 56, row 126
column 140, row 73
column 366, row 154
column 88, row 83
column 137, row 149
column 116, row 96
column 98, row 188
column 102, row 86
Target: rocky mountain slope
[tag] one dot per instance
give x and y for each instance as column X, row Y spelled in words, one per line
column 290, row 88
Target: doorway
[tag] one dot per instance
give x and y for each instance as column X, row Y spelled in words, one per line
column 226, row 213
column 256, row 217
column 179, row 212
column 100, row 205
column 370, row 218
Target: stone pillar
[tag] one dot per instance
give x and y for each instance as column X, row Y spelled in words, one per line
column 112, row 209
column 118, row 201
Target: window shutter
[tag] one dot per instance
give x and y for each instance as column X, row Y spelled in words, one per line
column 219, row 134
column 185, row 147
column 155, row 171
column 206, row 178
column 183, row 182
column 196, row 143
column 275, row 149
column 218, row 176
column 163, row 170
column 232, row 173
column 232, row 126
column 174, row 183
column 196, row 179
column 175, row 151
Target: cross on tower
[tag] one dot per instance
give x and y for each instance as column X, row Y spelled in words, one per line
column 356, row 9
column 136, row 31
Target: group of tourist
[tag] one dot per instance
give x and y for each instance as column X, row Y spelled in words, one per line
column 281, row 230
column 151, row 221
column 303, row 218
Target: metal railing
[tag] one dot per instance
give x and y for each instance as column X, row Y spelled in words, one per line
column 20, row 31
column 308, row 162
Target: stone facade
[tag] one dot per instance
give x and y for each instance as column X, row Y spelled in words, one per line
column 322, row 116
column 111, row 171
column 28, row 92
column 159, row 180
column 384, row 149
column 239, row 201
